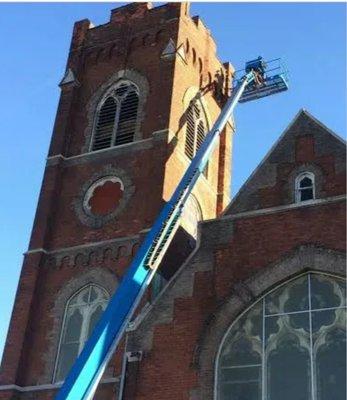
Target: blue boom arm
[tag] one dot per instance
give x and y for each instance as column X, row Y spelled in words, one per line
column 87, row 371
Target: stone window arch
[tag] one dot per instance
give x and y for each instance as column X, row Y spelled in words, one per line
column 116, row 116
column 305, row 187
column 289, row 344
column 100, row 94
column 82, row 312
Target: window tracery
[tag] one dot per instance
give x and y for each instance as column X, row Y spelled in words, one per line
column 82, row 312
column 196, row 129
column 290, row 345
column 304, row 187
column 116, row 117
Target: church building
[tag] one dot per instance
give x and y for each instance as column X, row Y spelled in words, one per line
column 249, row 302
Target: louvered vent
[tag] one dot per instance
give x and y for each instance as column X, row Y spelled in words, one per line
column 195, row 131
column 197, row 112
column 105, row 125
column 127, row 118
column 200, row 135
column 117, row 117
column 190, row 133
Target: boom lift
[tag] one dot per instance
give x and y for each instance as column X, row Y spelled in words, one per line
column 257, row 81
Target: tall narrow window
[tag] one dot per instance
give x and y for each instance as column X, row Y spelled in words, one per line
column 195, row 130
column 116, row 117
column 304, row 187
column 82, row 312
column 290, row 345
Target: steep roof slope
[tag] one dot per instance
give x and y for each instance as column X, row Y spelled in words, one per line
column 306, row 145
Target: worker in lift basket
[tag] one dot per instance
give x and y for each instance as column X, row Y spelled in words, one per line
column 259, row 79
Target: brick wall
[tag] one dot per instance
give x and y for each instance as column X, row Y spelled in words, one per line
column 246, row 257
column 67, row 248
column 261, row 240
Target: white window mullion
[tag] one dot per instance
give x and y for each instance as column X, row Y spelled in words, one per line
column 84, row 329
column 85, row 324
column 116, row 121
column 263, row 369
column 312, row 380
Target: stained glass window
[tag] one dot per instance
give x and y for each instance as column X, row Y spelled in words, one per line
column 82, row 312
column 289, row 345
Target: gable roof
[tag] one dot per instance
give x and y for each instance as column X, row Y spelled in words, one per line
column 282, row 153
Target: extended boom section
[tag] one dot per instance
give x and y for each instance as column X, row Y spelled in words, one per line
column 87, row 371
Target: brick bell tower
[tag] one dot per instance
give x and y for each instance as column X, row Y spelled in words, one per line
column 137, row 98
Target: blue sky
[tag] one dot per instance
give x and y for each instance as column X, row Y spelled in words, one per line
column 34, row 40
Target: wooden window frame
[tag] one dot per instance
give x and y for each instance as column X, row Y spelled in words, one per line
column 298, row 189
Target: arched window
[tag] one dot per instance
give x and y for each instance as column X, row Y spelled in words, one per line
column 116, row 117
column 289, row 345
column 196, row 129
column 304, row 187
column 82, row 312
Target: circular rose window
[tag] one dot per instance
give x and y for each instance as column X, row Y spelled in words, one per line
column 103, row 196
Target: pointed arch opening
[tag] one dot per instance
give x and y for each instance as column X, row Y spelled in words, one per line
column 305, row 187
column 82, row 312
column 288, row 345
column 116, row 116
column 196, row 129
